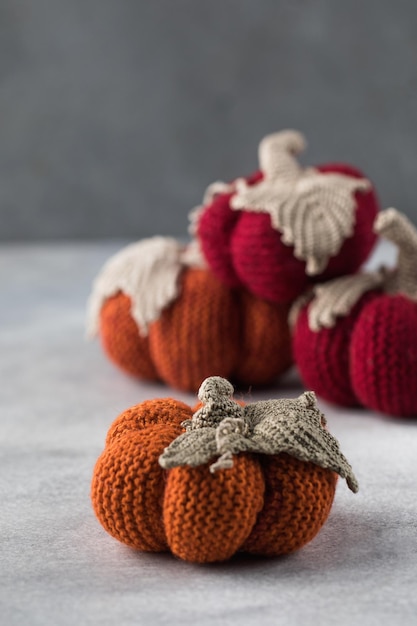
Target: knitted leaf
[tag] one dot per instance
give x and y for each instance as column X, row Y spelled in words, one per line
column 337, row 297
column 192, row 448
column 289, row 426
column 147, row 272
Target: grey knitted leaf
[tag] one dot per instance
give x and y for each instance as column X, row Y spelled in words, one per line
column 194, row 447
column 287, row 427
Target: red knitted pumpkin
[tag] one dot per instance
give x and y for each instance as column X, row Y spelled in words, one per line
column 356, row 341
column 260, row 503
column 286, row 227
column 161, row 319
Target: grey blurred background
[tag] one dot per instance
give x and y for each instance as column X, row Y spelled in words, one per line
column 116, row 114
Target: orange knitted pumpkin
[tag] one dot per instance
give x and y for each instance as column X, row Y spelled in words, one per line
column 251, row 499
column 162, row 318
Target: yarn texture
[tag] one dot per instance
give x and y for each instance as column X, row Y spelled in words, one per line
column 272, row 501
column 355, row 341
column 286, row 225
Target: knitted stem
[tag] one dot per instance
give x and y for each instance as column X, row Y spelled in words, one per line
column 397, row 228
column 277, row 154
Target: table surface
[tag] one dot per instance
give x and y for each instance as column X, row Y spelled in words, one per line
column 58, row 396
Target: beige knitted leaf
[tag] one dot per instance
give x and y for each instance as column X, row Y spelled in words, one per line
column 147, row 272
column 296, row 427
column 337, row 297
column 314, row 211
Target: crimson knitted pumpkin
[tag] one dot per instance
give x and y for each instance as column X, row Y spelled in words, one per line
column 355, row 342
column 226, row 478
column 161, row 316
column 286, row 227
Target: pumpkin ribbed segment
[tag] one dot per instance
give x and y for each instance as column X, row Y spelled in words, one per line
column 121, row 340
column 265, row 344
column 383, row 355
column 128, row 487
column 198, row 335
column 323, row 358
column 297, row 501
column 208, row 516
column 159, row 411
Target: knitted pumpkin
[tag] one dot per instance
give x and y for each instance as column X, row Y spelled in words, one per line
column 226, row 478
column 162, row 316
column 355, row 342
column 286, row 227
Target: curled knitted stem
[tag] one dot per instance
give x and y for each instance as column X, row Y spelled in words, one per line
column 397, row 228
column 277, row 154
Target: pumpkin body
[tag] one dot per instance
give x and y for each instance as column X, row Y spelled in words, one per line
column 128, row 485
column 367, row 358
column 242, row 248
column 208, row 516
column 263, row 505
column 383, row 355
column 121, row 340
column 209, row 329
column 297, row 501
column 323, row 357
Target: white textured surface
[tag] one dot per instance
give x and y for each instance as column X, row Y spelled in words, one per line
column 58, row 396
